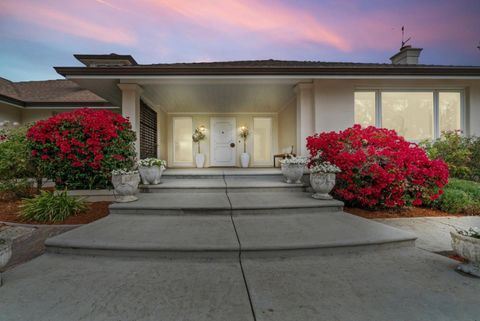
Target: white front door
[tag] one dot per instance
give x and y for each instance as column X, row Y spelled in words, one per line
column 222, row 141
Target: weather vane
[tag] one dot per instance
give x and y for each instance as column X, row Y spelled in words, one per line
column 404, row 42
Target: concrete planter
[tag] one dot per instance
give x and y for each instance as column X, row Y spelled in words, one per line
column 150, row 175
column 468, row 248
column 322, row 184
column 244, row 160
column 293, row 173
column 5, row 254
column 200, row 160
column 126, row 186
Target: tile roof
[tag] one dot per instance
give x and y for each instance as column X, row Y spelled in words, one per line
column 287, row 63
column 47, row 91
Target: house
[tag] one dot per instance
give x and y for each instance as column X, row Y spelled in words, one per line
column 280, row 102
column 28, row 101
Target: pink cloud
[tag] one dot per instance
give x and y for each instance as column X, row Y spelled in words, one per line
column 40, row 14
column 275, row 21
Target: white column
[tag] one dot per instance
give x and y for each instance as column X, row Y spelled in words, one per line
column 131, row 109
column 305, row 116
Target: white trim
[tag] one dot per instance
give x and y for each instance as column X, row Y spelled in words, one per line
column 212, row 141
column 177, row 163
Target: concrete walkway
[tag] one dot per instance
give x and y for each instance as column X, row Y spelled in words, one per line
column 237, row 255
column 404, row 284
column 433, row 232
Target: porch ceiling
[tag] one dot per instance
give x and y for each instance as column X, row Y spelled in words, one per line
column 219, row 97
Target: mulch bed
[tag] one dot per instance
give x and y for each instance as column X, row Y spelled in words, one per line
column 9, row 212
column 398, row 213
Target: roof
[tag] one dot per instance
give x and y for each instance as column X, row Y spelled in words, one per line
column 48, row 92
column 271, row 68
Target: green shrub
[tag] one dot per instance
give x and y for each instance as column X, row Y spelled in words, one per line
column 15, row 188
column 51, row 207
column 462, row 154
column 460, row 196
column 16, row 161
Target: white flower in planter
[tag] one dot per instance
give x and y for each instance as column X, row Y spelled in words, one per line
column 466, row 243
column 125, row 183
column 293, row 168
column 5, row 254
column 151, row 170
column 322, row 179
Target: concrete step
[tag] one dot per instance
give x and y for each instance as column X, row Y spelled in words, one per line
column 220, row 203
column 222, row 184
column 225, row 236
column 202, row 173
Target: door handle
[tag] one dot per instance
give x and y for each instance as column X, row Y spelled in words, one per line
column 232, row 145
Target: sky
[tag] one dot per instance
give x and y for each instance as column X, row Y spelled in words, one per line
column 36, row 35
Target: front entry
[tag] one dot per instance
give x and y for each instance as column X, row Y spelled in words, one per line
column 222, row 141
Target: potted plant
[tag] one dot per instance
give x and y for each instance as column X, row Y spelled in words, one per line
column 293, row 168
column 151, row 170
column 125, row 183
column 244, row 157
column 466, row 243
column 5, row 254
column 322, row 177
column 197, row 137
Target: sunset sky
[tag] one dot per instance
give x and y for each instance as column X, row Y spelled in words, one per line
column 36, row 35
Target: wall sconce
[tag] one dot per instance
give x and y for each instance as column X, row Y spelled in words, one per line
column 202, row 128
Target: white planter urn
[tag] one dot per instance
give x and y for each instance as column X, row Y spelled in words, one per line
column 293, row 173
column 150, row 174
column 468, row 248
column 244, row 160
column 200, row 160
column 322, row 184
column 5, row 254
column 126, row 186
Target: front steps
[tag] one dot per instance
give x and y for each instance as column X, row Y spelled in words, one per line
column 224, row 213
column 225, row 236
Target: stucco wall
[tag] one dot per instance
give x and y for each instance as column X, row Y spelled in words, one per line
column 287, row 124
column 241, row 120
column 334, row 99
column 10, row 113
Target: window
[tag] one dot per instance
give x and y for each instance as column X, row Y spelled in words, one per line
column 182, row 140
column 365, row 108
column 449, row 111
column 409, row 113
column 414, row 114
column 262, row 140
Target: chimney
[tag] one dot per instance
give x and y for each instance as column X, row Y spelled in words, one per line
column 106, row 60
column 406, row 56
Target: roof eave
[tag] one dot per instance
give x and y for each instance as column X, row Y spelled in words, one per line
column 268, row 71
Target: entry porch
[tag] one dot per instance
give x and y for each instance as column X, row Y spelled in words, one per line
column 165, row 112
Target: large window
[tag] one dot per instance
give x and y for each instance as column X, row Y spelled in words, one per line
column 414, row 114
column 262, row 140
column 182, row 140
column 365, row 108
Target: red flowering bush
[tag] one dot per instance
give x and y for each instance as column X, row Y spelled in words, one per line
column 380, row 168
column 79, row 149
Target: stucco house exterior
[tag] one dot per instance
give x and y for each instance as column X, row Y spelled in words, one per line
column 280, row 102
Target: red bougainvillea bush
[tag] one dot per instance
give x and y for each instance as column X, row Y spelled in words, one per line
column 380, row 168
column 79, row 149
